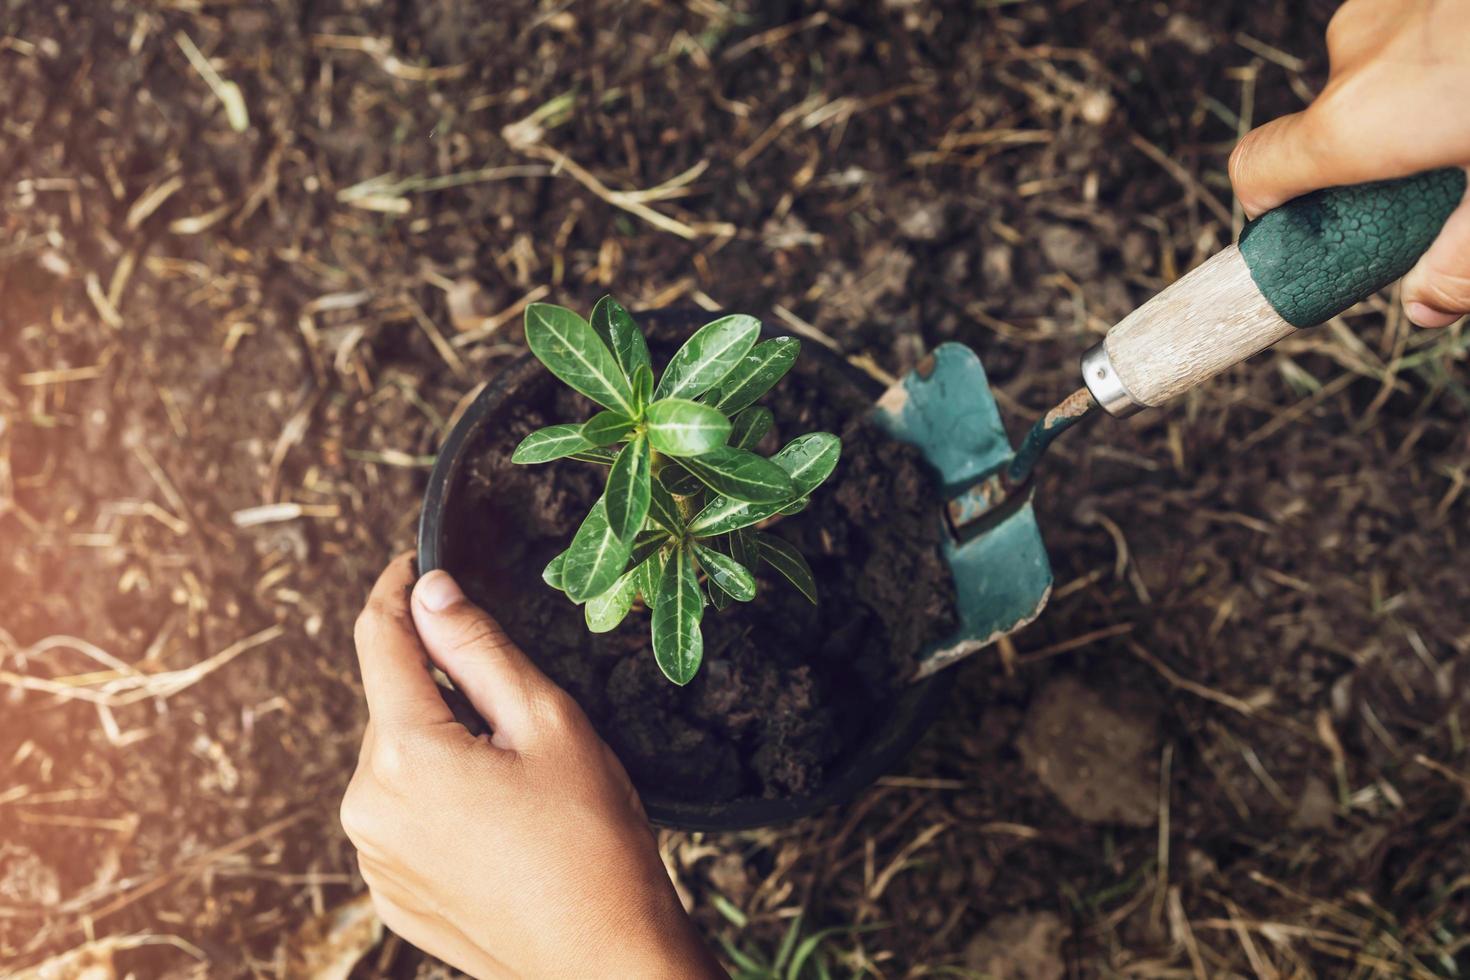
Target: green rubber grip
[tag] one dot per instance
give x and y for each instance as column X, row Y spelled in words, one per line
column 1321, row 253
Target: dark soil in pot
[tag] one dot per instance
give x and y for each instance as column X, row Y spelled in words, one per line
column 788, row 691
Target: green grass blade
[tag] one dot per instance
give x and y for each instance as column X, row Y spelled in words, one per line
column 784, row 558
column 606, row 428
column 572, row 351
column 740, row 474
column 680, row 427
column 628, row 490
column 731, row 577
column 595, row 559
column 788, row 942
column 708, row 356
column 552, row 442
column 678, row 605
column 747, row 428
column 766, row 364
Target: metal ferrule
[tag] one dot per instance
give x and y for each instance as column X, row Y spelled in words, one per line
column 1102, row 380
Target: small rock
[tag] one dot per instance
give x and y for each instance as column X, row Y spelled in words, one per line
column 1098, row 758
column 1026, row 946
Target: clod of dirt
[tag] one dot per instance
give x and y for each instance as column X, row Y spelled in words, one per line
column 1026, row 946
column 1097, row 757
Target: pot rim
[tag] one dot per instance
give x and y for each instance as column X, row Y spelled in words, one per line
column 907, row 721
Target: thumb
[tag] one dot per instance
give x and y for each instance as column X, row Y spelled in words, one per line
column 1436, row 291
column 1279, row 161
column 484, row 663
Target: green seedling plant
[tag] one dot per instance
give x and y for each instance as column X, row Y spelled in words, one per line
column 677, row 523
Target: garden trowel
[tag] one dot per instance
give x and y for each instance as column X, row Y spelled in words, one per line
column 1294, row 267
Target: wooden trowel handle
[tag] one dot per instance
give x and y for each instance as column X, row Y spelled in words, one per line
column 1297, row 266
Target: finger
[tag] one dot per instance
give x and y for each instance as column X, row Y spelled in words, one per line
column 1348, row 136
column 395, row 670
column 1273, row 164
column 1436, row 291
column 484, row 663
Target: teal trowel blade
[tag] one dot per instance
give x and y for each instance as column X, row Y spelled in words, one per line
column 1002, row 576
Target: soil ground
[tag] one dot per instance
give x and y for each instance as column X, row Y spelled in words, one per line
column 1234, row 745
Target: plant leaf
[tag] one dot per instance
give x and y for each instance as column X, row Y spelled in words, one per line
column 741, row 475
column 642, row 387
column 732, row 577
column 755, row 375
column 606, row 428
column 628, row 345
column 551, row 574
column 679, row 481
column 552, row 442
column 599, row 322
column 663, row 509
column 747, row 428
column 807, row 459
column 604, row 455
column 646, row 544
column 780, row 555
column 648, row 573
column 711, row 353
column 718, row 597
column 741, row 546
column 725, row 514
column 678, row 605
column 795, row 507
column 606, row 611
column 596, row 557
column 628, row 491
column 680, row 427
column 572, row 351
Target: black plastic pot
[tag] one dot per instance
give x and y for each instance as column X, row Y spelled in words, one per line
column 891, row 736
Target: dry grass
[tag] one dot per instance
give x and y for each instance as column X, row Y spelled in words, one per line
column 255, row 263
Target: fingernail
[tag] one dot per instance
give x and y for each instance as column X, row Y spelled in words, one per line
column 437, row 591
column 1428, row 316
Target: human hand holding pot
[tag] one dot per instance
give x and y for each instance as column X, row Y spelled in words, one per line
column 522, row 854
column 1392, row 107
